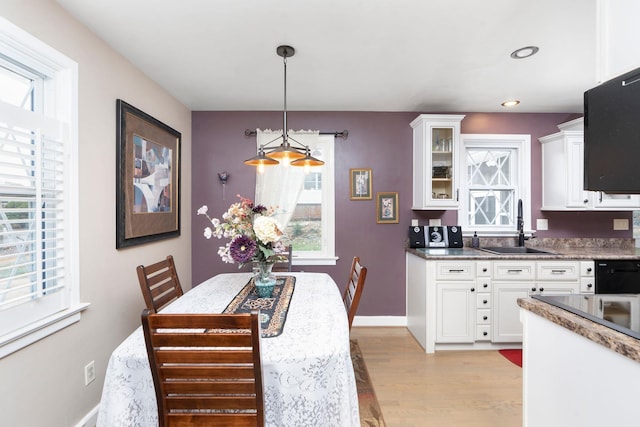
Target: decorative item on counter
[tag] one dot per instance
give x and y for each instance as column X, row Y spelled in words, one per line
column 224, row 177
column 475, row 240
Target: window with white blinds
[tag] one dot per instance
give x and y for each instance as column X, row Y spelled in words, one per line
column 38, row 194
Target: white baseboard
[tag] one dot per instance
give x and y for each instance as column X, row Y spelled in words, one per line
column 91, row 419
column 380, row 321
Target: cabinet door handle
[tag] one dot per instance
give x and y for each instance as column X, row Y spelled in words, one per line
column 533, row 289
column 541, row 289
column 484, row 317
column 484, row 270
column 485, row 333
column 589, row 270
column 485, row 285
column 473, row 289
column 484, row 301
column 590, row 285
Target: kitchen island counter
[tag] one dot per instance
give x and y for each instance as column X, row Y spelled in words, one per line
column 565, row 311
column 576, row 371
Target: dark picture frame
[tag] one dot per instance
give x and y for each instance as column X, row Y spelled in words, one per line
column 361, row 183
column 147, row 178
column 387, row 208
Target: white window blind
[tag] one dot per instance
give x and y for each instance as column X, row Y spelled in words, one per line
column 32, row 208
column 39, row 287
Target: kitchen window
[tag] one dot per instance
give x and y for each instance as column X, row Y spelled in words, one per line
column 39, row 291
column 495, row 173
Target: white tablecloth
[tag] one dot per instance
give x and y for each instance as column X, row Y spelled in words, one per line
column 308, row 377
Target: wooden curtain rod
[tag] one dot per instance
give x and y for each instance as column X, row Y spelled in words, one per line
column 344, row 134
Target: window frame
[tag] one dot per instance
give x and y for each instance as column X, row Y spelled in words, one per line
column 57, row 103
column 521, row 143
column 327, row 255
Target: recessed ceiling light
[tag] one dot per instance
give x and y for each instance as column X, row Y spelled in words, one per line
column 511, row 103
column 524, row 52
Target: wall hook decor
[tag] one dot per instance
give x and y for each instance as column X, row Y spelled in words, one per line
column 224, row 177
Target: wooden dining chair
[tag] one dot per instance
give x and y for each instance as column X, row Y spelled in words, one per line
column 284, row 264
column 206, row 368
column 353, row 291
column 159, row 283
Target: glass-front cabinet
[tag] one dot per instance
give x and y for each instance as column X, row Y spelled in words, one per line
column 435, row 157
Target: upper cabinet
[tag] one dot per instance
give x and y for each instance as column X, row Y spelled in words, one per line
column 563, row 175
column 435, row 159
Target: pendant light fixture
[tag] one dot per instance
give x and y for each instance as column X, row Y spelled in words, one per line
column 295, row 154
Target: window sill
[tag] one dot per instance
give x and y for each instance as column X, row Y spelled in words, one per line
column 23, row 337
column 314, row 260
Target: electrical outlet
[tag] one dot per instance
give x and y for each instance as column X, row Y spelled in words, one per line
column 542, row 224
column 621, row 224
column 435, row 222
column 89, row 373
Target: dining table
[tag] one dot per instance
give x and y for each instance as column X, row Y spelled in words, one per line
column 307, row 373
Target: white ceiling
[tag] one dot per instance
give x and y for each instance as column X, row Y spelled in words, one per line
column 356, row 55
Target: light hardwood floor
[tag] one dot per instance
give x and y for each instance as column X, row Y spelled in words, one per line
column 448, row 388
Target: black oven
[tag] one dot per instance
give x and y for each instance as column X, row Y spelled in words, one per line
column 617, row 277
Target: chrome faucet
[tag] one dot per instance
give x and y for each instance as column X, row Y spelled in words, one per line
column 520, row 224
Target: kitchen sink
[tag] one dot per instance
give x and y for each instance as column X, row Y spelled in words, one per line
column 515, row 250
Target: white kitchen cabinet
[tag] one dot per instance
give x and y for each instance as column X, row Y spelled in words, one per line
column 587, row 277
column 520, row 279
column 563, row 175
column 472, row 304
column 455, row 301
column 456, row 307
column 435, row 161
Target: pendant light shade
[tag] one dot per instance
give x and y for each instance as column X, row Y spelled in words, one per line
column 297, row 154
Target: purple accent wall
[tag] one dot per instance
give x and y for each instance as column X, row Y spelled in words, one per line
column 382, row 142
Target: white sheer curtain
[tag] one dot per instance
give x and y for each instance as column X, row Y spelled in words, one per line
column 280, row 186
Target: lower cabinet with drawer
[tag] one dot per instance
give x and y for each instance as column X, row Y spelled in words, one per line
column 472, row 304
column 519, row 279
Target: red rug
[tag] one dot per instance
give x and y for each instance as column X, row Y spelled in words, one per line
column 512, row 355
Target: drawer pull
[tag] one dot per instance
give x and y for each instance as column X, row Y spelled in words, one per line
column 558, row 271
column 485, row 333
column 484, row 301
column 459, row 270
column 485, row 317
column 485, row 285
column 514, row 271
column 473, row 289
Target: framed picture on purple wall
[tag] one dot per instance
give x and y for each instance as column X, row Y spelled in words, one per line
column 361, row 184
column 387, row 208
column 147, row 178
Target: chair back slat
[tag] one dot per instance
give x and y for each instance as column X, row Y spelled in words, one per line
column 159, row 283
column 206, row 368
column 353, row 290
column 284, row 264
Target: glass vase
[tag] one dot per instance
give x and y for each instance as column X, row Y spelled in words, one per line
column 264, row 279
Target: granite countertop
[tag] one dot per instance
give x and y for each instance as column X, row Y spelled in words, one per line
column 595, row 331
column 560, row 249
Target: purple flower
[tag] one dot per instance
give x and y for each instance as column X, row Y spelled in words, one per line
column 242, row 249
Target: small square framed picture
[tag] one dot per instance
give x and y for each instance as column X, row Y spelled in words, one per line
column 387, row 208
column 360, row 184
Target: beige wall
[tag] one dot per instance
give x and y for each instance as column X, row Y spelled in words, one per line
column 43, row 384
